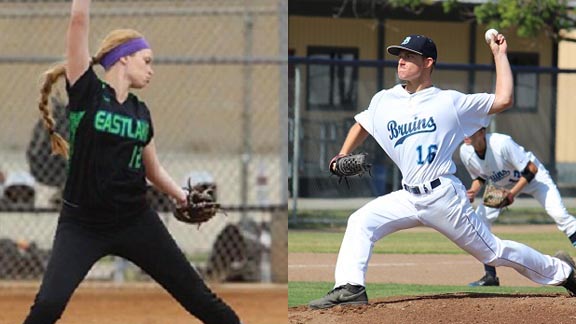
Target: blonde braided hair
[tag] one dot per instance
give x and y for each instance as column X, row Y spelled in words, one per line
column 58, row 144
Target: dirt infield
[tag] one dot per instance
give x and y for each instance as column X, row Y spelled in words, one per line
column 445, row 308
column 431, row 270
column 425, row 269
column 464, row 308
column 255, row 304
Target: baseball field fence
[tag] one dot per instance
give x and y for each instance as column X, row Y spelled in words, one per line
column 329, row 87
column 219, row 111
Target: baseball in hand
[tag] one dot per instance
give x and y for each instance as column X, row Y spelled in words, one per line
column 490, row 34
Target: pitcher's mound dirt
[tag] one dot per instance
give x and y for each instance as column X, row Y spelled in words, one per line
column 464, row 308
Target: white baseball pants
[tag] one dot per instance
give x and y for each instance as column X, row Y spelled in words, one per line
column 447, row 210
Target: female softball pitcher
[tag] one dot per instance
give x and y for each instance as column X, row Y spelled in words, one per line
column 111, row 154
column 420, row 126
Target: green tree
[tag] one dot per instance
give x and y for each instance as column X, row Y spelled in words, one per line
column 528, row 17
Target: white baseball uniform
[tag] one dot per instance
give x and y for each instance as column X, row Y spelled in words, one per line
column 503, row 163
column 420, row 132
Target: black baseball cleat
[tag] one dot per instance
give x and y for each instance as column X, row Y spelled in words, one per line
column 341, row 295
column 487, row 280
column 570, row 283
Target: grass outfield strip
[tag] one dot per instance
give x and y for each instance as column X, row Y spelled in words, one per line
column 300, row 293
column 545, row 238
column 426, row 241
column 325, row 219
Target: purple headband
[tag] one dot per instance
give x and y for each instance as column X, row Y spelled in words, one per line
column 124, row 49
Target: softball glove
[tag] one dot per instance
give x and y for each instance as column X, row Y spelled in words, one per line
column 200, row 206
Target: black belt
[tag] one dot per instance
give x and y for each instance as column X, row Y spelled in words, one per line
column 416, row 190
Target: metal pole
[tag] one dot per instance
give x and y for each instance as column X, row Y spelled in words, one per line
column 279, row 224
column 246, row 116
column 296, row 143
column 283, row 104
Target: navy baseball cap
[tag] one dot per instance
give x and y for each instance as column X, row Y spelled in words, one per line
column 418, row 44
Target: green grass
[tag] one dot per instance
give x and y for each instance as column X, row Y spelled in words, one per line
column 334, row 219
column 326, row 237
column 422, row 241
column 300, row 293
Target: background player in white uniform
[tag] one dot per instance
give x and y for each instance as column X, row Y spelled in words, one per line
column 496, row 158
column 420, row 126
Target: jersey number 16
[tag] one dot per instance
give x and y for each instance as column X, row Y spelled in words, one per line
column 432, row 149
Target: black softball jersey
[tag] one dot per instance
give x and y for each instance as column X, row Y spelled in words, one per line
column 106, row 176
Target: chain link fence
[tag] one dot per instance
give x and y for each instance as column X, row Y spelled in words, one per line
column 217, row 101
